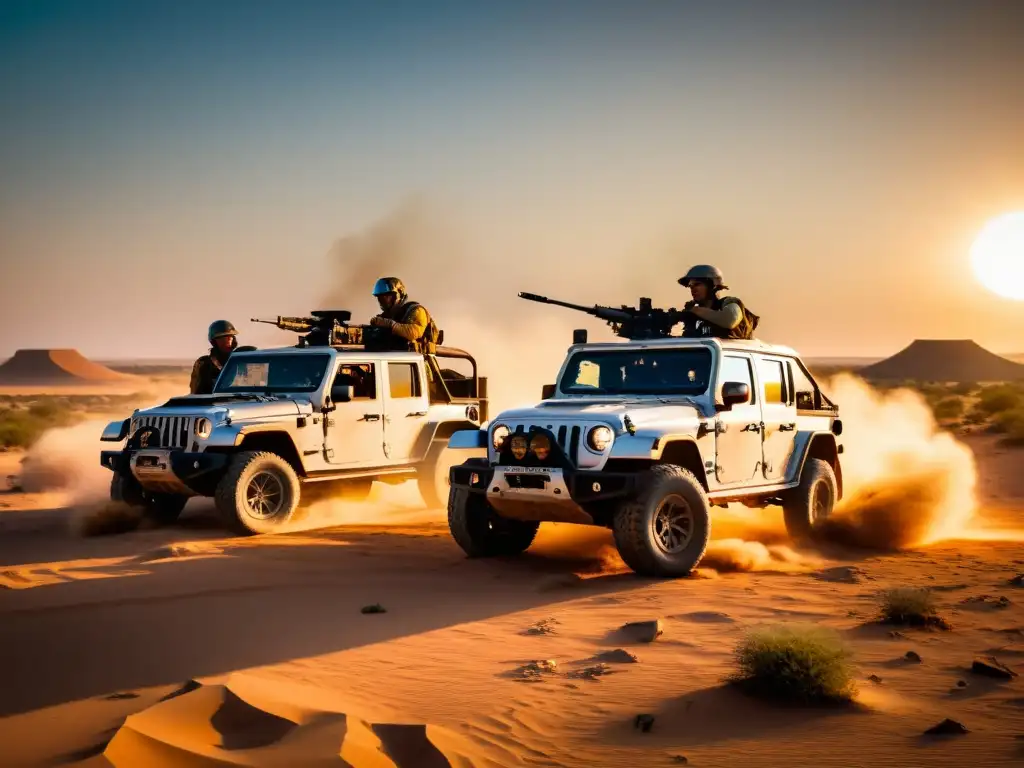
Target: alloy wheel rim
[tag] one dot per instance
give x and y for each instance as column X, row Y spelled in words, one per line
column 672, row 524
column 264, row 495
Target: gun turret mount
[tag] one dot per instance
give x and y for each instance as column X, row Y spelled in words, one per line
column 342, row 316
column 329, row 327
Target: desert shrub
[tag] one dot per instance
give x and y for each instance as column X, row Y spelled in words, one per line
column 948, row 408
column 964, row 388
column 802, row 663
column 911, row 607
column 21, row 427
column 999, row 398
column 974, row 417
column 49, row 410
column 18, row 432
column 1011, row 425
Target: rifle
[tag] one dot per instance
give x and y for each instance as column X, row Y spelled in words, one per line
column 296, row 324
column 643, row 322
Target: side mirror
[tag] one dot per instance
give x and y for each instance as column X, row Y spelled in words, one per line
column 341, row 393
column 547, row 391
column 735, row 393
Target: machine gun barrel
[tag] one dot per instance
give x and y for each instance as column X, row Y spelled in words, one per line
column 297, row 324
column 643, row 322
column 609, row 314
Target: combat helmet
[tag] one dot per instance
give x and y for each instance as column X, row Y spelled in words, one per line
column 712, row 275
column 390, row 285
column 220, row 329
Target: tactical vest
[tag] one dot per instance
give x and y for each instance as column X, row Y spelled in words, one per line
column 704, row 329
column 204, row 374
column 425, row 344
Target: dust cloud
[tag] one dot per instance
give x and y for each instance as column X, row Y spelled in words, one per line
column 739, row 555
column 65, row 462
column 397, row 505
column 906, row 482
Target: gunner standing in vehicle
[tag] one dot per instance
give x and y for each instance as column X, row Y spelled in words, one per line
column 718, row 317
column 223, row 341
column 409, row 322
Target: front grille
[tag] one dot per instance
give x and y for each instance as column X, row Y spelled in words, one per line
column 568, row 437
column 175, row 431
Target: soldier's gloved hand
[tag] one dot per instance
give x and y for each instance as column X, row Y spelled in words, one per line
column 381, row 321
column 688, row 317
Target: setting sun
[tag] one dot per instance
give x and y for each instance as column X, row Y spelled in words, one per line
column 998, row 256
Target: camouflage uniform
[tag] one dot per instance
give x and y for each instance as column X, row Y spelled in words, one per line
column 719, row 317
column 207, row 368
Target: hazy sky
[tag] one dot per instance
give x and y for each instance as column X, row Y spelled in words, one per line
column 168, row 165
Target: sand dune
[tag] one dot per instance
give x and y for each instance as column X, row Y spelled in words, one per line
column 245, row 721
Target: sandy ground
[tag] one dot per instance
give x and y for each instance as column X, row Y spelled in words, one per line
column 101, row 637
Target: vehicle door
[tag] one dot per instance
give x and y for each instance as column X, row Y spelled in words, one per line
column 405, row 410
column 355, row 429
column 778, row 410
column 738, row 430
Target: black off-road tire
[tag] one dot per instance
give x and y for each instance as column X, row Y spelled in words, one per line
column 161, row 508
column 634, row 523
column 482, row 532
column 802, row 518
column 231, row 495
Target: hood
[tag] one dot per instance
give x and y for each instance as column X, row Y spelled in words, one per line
column 242, row 407
column 678, row 413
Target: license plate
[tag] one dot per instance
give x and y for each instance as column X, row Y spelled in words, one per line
column 535, row 482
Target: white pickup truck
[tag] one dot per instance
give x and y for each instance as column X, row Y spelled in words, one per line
column 285, row 424
column 645, row 437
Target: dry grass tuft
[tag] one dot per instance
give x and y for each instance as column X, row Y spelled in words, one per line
column 907, row 606
column 797, row 663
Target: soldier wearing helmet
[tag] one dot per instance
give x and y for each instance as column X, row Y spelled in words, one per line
column 410, row 324
column 222, row 337
column 709, row 314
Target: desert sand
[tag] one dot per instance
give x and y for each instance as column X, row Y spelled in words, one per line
column 184, row 647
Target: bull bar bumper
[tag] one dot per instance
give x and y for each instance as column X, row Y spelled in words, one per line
column 544, row 494
column 168, row 471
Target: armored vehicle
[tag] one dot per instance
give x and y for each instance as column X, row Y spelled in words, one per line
column 331, row 415
column 646, row 437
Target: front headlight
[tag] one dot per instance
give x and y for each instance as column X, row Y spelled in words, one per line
column 203, row 428
column 541, row 446
column 599, row 438
column 519, row 446
column 498, row 435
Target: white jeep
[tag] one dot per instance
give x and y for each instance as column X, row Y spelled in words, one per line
column 294, row 423
column 644, row 437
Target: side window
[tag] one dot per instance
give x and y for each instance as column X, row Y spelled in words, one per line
column 362, row 377
column 803, row 388
column 773, row 382
column 404, row 380
column 736, row 369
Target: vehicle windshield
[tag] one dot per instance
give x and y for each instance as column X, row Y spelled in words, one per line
column 273, row 373
column 638, row 372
